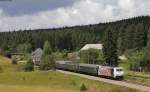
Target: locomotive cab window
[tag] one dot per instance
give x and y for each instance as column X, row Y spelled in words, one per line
column 119, row 70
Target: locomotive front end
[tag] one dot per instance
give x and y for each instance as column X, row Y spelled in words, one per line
column 118, row 73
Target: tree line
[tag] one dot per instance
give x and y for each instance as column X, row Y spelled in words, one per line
column 130, row 33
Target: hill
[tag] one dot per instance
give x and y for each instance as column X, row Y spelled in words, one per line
column 131, row 33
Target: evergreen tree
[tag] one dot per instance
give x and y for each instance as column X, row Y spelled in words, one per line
column 83, row 87
column 121, row 41
column 110, row 48
column 48, row 61
column 140, row 35
column 148, row 40
column 129, row 36
column 46, row 49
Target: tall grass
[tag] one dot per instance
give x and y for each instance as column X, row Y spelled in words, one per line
column 48, row 81
column 51, row 81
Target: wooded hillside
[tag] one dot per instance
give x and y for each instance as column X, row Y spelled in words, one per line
column 131, row 33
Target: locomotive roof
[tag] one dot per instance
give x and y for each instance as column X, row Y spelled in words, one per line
column 112, row 67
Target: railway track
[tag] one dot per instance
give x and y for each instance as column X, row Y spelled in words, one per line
column 125, row 83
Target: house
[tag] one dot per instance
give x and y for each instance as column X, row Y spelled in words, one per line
column 100, row 47
column 92, row 46
column 37, row 54
column 123, row 58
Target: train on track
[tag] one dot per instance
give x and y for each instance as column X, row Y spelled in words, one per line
column 91, row 69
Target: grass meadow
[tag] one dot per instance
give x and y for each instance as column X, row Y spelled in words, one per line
column 138, row 77
column 13, row 80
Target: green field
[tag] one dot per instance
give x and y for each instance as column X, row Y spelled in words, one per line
column 12, row 80
column 138, row 77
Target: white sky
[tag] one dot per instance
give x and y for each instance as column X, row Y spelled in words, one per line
column 77, row 12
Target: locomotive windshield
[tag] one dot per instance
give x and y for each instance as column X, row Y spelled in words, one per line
column 119, row 70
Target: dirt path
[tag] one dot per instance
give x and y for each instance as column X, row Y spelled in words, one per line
column 120, row 83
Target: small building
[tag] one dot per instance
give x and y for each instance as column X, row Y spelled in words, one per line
column 123, row 58
column 100, row 47
column 92, row 46
column 37, row 54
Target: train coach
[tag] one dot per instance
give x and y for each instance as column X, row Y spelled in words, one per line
column 92, row 69
column 88, row 68
column 61, row 64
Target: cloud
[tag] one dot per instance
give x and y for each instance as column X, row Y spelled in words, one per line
column 21, row 7
column 81, row 12
column 130, row 8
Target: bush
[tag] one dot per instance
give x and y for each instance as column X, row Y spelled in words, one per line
column 29, row 65
column 47, row 63
column 14, row 61
column 83, row 88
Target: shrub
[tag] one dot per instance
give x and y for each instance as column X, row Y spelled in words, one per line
column 14, row 61
column 47, row 63
column 29, row 65
column 83, row 87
